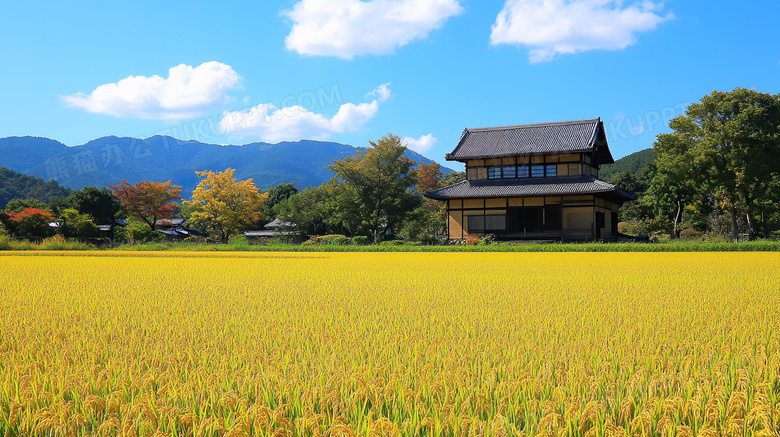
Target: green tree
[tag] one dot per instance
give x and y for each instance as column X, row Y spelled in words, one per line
column 98, row 203
column 733, row 140
column 307, row 209
column 677, row 181
column 59, row 204
column 278, row 194
column 344, row 212
column 452, row 178
column 380, row 177
column 138, row 231
column 430, row 218
column 18, row 205
column 332, row 208
column 75, row 225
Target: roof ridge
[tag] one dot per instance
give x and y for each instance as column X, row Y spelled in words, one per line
column 531, row 125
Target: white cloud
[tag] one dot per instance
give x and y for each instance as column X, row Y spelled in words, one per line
column 553, row 27
column 349, row 28
column 352, row 117
column 382, row 91
column 273, row 124
column 420, row 145
column 187, row 92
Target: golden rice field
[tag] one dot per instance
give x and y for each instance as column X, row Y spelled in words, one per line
column 332, row 344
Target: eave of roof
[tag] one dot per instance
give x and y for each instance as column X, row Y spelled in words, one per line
column 549, row 186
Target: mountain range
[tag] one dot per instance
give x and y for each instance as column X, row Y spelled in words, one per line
column 109, row 160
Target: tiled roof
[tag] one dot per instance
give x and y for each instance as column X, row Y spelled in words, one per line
column 268, row 233
column 170, row 222
column 550, row 186
column 534, row 139
column 279, row 224
column 180, row 231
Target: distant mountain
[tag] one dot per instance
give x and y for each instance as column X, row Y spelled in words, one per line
column 109, row 160
column 14, row 185
column 631, row 163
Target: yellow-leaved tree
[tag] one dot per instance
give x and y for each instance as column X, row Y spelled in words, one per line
column 225, row 205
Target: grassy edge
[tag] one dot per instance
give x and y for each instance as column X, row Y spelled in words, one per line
column 243, row 246
column 753, row 246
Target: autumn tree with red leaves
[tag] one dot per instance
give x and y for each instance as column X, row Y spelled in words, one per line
column 32, row 223
column 148, row 201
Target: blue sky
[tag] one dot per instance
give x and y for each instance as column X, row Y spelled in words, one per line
column 351, row 71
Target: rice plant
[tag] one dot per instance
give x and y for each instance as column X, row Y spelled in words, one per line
column 408, row 344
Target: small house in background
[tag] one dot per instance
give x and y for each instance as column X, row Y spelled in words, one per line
column 175, row 228
column 535, row 182
column 107, row 231
column 277, row 229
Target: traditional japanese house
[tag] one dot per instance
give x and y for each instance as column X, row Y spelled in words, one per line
column 534, row 181
column 277, row 229
column 175, row 229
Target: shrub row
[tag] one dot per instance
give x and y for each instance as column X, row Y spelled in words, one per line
column 54, row 243
column 336, row 240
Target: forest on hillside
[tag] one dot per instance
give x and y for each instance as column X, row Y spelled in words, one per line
column 15, row 185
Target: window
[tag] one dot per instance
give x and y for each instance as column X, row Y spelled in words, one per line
column 494, row 173
column 537, row 171
column 525, row 219
column 510, row 171
column 495, row 223
column 476, row 223
column 551, row 170
column 522, row 171
column 487, row 223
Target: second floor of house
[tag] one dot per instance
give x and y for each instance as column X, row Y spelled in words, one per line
column 533, row 166
column 539, row 150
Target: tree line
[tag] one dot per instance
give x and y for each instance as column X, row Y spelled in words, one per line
column 717, row 172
